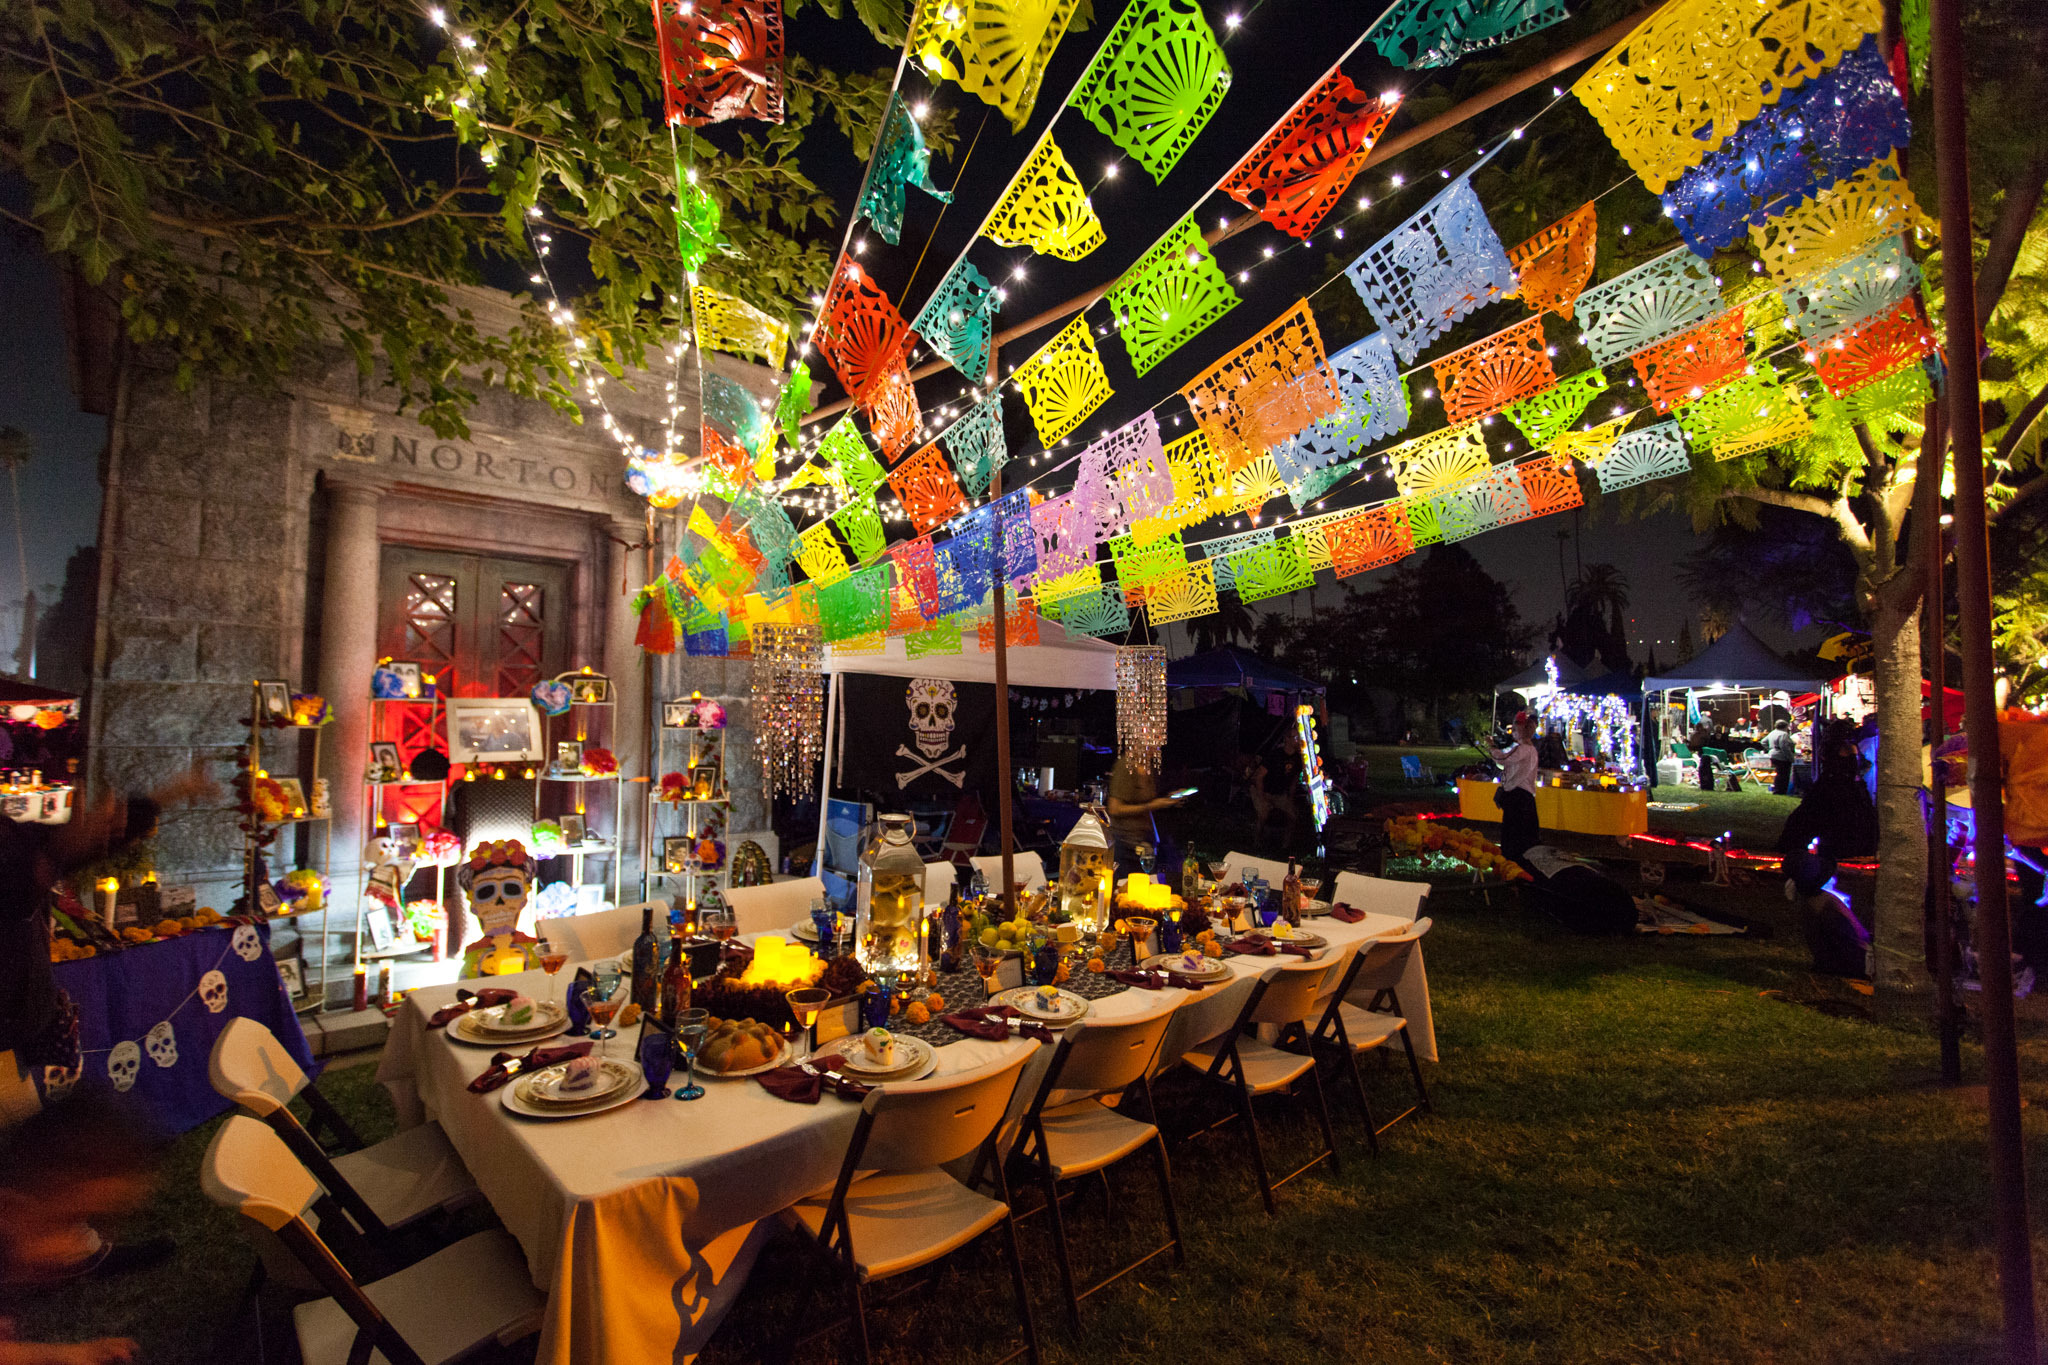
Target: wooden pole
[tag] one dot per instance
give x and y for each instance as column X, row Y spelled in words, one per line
column 1980, row 705
column 1933, row 550
column 1005, row 839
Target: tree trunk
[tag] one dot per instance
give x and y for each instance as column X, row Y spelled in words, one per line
column 1898, row 959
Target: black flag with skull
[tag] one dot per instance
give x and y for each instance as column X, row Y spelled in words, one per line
column 923, row 738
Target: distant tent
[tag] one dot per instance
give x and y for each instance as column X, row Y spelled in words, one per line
column 1736, row 661
column 1534, row 680
column 1230, row 666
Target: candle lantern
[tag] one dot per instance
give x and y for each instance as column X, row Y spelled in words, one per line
column 888, row 930
column 1086, row 874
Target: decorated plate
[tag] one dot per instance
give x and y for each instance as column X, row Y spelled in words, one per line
column 806, row 931
column 512, row 1096
column 1309, row 908
column 1213, row 969
column 546, row 1014
column 544, row 1088
column 1299, row 938
column 780, row 1058
column 923, row 1060
column 1065, row 1008
column 464, row 1031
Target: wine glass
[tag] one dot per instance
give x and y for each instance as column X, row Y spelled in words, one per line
column 804, row 1004
column 689, row 1034
column 553, row 957
column 987, row 963
column 602, row 1008
column 607, row 974
column 720, row 924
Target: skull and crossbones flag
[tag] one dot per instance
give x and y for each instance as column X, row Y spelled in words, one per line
column 924, row 738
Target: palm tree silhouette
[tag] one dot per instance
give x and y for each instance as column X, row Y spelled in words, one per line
column 1231, row 621
column 1600, row 593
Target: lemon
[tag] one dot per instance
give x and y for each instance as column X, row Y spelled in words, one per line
column 989, row 938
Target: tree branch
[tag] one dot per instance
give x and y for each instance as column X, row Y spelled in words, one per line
column 2002, row 248
column 2016, row 430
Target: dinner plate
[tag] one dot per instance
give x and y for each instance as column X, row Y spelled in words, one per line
column 1067, row 1006
column 615, row 1100
column 1305, row 940
column 544, row 1088
column 546, row 1014
column 462, row 1031
column 830, row 1058
column 911, row 1053
column 806, row 931
column 781, row 1056
column 1215, row 970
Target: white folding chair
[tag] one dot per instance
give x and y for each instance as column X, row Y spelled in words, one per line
column 1080, row 1136
column 1284, row 996
column 774, row 908
column 436, row 1310
column 602, row 934
column 893, row 1209
column 938, row 883
column 1365, row 1012
column 384, row 1186
column 1380, row 895
column 1237, row 864
column 1028, row 867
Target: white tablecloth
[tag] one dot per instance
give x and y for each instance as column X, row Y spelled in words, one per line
column 641, row 1224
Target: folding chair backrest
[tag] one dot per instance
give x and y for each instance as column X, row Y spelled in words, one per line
column 1290, row 994
column 1237, row 864
column 928, row 1123
column 249, row 1067
column 1411, row 767
column 603, row 933
column 773, row 908
column 1105, row 1055
column 1028, row 867
column 938, row 883
column 1382, row 961
column 1380, row 895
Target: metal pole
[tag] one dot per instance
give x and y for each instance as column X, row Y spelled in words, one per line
column 825, row 771
column 1933, row 626
column 1980, row 707
column 1003, row 775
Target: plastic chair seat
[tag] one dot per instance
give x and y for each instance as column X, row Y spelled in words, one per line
column 1367, row 1029
column 1266, row 1068
column 902, row 1220
column 445, row 1306
column 1087, row 1136
column 407, row 1177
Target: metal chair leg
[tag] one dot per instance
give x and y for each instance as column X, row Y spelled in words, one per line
column 1180, row 1256
column 1059, row 1243
column 1372, row 1128
column 1315, row 1078
column 1251, row 1124
column 860, row 1317
column 1415, row 1070
column 1023, row 1294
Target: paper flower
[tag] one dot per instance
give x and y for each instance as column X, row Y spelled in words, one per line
column 309, row 708
column 599, row 763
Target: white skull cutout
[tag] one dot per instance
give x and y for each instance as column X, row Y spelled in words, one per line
column 213, row 991
column 247, row 943
column 162, row 1045
column 932, row 705
column 124, row 1062
column 58, row 1080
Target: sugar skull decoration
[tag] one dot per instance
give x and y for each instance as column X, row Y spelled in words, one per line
column 932, row 703
column 391, row 867
column 498, row 879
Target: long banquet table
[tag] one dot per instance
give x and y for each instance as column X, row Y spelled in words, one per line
column 642, row 1223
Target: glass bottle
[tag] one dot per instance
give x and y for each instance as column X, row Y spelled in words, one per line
column 1086, row 874
column 646, row 962
column 1290, row 895
column 888, row 924
column 675, row 983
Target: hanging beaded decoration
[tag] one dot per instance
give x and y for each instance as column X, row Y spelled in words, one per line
column 892, row 411
column 1685, row 367
column 1124, row 477
column 1555, row 264
column 788, row 694
column 1486, row 376
column 1066, row 537
column 845, row 452
column 1220, row 550
column 901, row 159
column 1375, row 405
column 1541, row 416
column 1752, row 413
column 1141, row 705
column 720, row 59
column 817, row 550
column 925, row 485
column 1268, row 571
column 735, row 326
column 1370, row 540
column 1172, row 293
column 1550, row 485
column 1102, row 611
column 1138, row 566
column 976, row 444
column 1838, row 222
column 1427, row 33
column 1683, row 82
column 1155, row 82
column 1634, row 311
column 958, row 318
column 1850, row 293
column 1874, row 351
column 1045, row 208
column 1064, row 382
column 861, row 524
column 1656, row 452
column 1182, row 595
column 995, row 50
column 1304, row 166
column 1432, row 270
column 1265, row 391
column 860, row 333
column 1443, row 459
column 1815, row 135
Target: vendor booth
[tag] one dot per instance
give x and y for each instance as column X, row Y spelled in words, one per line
column 1599, row 788
column 1727, row 687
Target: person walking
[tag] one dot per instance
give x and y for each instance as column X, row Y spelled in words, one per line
column 1783, row 749
column 1519, row 828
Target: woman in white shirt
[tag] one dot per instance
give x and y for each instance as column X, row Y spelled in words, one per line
column 1517, row 795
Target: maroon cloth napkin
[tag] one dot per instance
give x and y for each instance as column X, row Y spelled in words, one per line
column 484, row 999
column 795, row 1084
column 990, row 1022
column 1153, row 981
column 1267, row 947
column 505, row 1065
column 1346, row 913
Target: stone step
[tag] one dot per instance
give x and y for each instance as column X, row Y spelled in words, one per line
column 346, row 1031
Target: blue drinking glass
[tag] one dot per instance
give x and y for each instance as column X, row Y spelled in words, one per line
column 579, row 1017
column 1169, row 934
column 657, row 1059
column 874, row 1006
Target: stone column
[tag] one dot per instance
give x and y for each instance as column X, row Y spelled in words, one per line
column 348, row 654
column 623, row 663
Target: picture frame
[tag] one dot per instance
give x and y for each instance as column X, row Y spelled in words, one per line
column 693, row 713
column 291, row 974
column 266, row 899
column 405, row 838
column 493, row 730
column 568, row 756
column 274, row 701
column 573, row 830
column 704, row 775
column 384, row 764
column 678, row 715
column 410, row 674
column 294, row 796
column 589, row 689
column 377, row 919
column 675, row 852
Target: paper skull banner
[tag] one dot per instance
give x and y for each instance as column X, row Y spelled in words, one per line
column 930, row 738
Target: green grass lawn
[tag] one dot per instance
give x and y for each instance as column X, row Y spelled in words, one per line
column 1669, row 1149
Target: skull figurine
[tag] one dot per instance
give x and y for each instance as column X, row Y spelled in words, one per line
column 213, row 991
column 162, row 1045
column 932, row 704
column 247, row 943
column 123, row 1063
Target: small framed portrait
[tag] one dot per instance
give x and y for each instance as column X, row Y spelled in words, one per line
column 493, row 730
column 675, row 853
column 405, row 838
column 569, row 756
column 573, row 830
column 266, row 899
column 589, row 689
column 384, row 765
column 702, row 777
column 678, row 715
column 274, row 702
column 294, row 797
column 410, row 677
column 291, row 974
column 377, row 919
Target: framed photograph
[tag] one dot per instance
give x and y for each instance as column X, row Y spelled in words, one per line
column 266, row 899
column 573, row 830
column 589, row 689
column 703, row 776
column 409, row 676
column 569, row 756
column 291, row 974
column 678, row 715
column 492, row 730
column 384, row 766
column 404, row 837
column 377, row 919
column 274, row 701
column 694, row 713
column 675, row 853
column 294, row 797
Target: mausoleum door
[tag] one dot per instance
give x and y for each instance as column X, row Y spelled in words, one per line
column 483, row 627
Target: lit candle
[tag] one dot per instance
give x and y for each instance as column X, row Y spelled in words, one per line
column 109, row 889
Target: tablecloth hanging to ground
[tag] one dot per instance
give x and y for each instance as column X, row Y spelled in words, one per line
column 643, row 1223
column 148, row 1015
